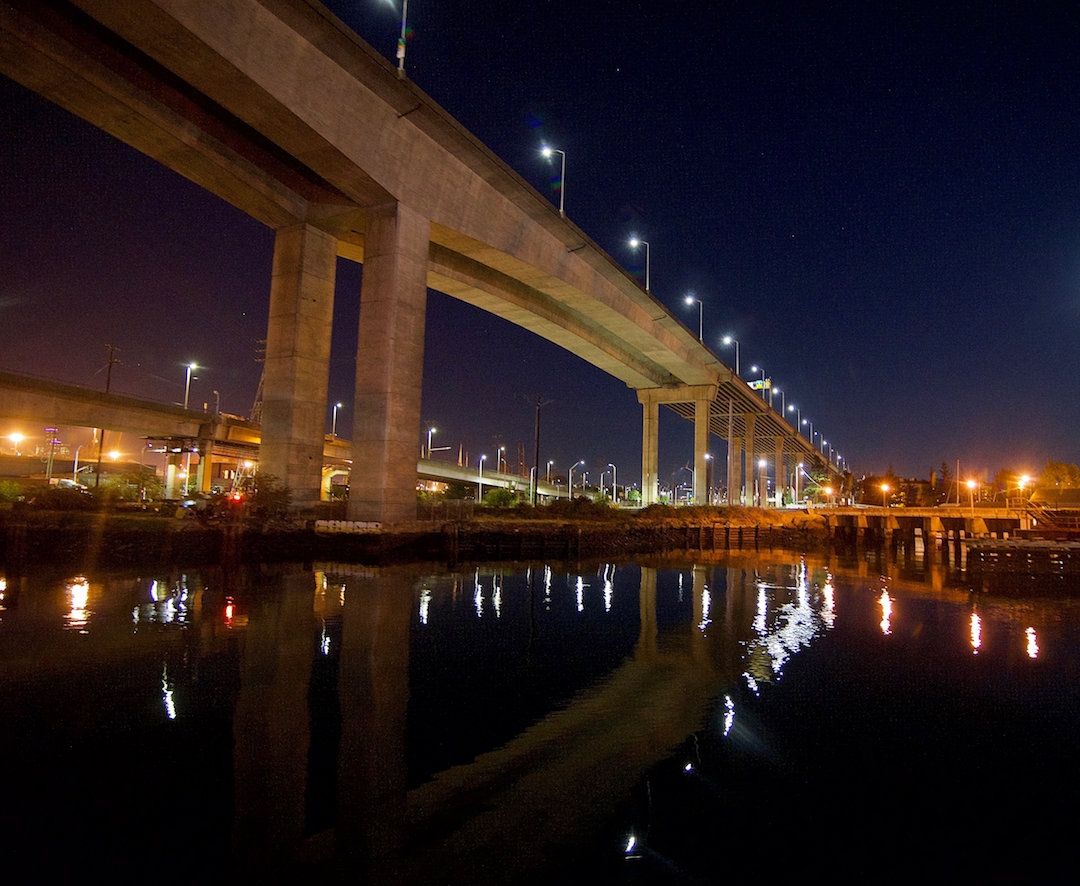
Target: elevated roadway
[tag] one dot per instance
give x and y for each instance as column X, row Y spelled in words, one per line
column 279, row 109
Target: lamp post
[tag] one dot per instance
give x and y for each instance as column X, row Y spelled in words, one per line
column 333, row 423
column 798, row 414
column 708, row 478
column 729, row 340
column 547, row 152
column 971, row 484
column 614, row 483
column 550, row 463
column 700, row 313
column 810, row 429
column 635, row 242
column 762, row 371
column 480, row 478
column 783, row 399
column 430, row 434
column 16, row 439
column 570, row 476
column 501, row 459
column 401, row 38
column 191, row 367
column 884, row 495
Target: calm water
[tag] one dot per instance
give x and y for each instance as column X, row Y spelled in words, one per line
column 772, row 715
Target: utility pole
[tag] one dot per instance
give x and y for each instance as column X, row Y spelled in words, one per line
column 110, row 356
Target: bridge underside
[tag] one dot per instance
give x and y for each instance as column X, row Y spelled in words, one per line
column 279, row 109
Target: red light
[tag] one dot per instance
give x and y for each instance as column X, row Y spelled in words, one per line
column 237, row 496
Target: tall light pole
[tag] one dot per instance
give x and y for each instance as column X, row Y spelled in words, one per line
column 730, row 340
column 635, row 242
column 783, row 399
column 884, row 495
column 798, row 414
column 614, row 483
column 333, row 423
column 480, row 478
column 430, row 434
column 401, row 39
column 810, row 430
column 191, row 367
column 501, row 459
column 690, row 299
column 547, row 152
column 570, row 476
column 550, row 463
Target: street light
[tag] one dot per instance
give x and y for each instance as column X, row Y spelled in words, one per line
column 570, row 476
column 971, row 484
column 550, row 463
column 635, row 242
column 810, row 430
column 16, row 439
column 783, row 399
column 762, row 371
column 480, row 480
column 729, row 340
column 547, row 152
column 187, row 383
column 798, row 414
column 500, row 460
column 401, row 39
column 430, row 433
column 333, row 423
column 884, row 495
column 614, row 483
column 700, row 313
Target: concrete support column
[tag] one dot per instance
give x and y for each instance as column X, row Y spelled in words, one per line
column 173, row 460
column 650, row 448
column 297, row 366
column 205, row 470
column 734, row 474
column 701, row 447
column 389, row 365
column 781, row 472
column 750, row 471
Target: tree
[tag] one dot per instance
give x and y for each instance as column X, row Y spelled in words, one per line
column 1059, row 475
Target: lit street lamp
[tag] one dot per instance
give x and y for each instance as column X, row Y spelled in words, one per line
column 884, row 495
column 634, row 244
column 16, row 439
column 480, row 480
column 783, row 399
column 500, row 462
column 810, row 429
column 570, row 476
column 700, row 313
column 798, row 414
column 547, row 152
column 550, row 463
column 729, row 340
column 191, row 367
column 401, row 39
column 614, row 484
column 333, row 424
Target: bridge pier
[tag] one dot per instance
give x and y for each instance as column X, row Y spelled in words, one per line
column 297, row 368
column 389, row 365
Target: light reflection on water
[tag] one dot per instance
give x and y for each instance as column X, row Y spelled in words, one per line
column 333, row 717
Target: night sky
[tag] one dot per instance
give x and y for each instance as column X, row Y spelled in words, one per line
column 881, row 202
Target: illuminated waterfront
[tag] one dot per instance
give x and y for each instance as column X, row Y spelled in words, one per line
column 669, row 722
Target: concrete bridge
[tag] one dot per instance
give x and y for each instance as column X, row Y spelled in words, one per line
column 279, row 109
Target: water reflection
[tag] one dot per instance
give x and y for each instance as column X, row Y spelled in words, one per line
column 414, row 726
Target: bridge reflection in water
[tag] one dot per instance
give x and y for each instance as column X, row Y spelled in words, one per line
column 407, row 727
